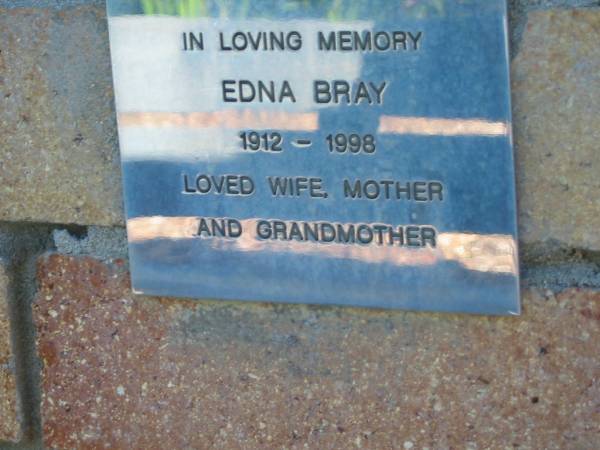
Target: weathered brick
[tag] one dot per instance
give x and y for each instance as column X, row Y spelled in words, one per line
column 9, row 426
column 556, row 97
column 59, row 157
column 125, row 372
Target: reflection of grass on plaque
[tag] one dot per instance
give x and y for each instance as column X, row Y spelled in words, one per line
column 333, row 10
column 183, row 8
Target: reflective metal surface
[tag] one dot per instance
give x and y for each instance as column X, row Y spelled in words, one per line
column 388, row 124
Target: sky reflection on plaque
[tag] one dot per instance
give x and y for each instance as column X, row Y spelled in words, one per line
column 422, row 213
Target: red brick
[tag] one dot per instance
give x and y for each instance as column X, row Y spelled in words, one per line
column 127, row 372
column 9, row 426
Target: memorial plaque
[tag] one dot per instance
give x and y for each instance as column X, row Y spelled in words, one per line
column 343, row 152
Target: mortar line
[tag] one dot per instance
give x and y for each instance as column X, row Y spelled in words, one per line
column 20, row 245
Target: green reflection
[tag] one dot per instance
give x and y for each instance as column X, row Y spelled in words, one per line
column 333, row 10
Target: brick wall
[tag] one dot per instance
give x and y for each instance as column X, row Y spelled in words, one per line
column 86, row 364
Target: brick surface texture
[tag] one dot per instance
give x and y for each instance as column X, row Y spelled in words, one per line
column 9, row 427
column 556, row 99
column 59, row 158
column 125, row 372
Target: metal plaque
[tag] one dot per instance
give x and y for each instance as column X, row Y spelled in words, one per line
column 345, row 152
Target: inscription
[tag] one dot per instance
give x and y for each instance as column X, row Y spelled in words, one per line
column 330, row 41
column 246, row 91
column 193, row 41
column 351, row 143
column 419, row 191
column 322, row 232
column 335, row 91
column 254, row 141
column 260, row 40
column 366, row 234
column 226, row 228
column 296, row 187
column 340, row 91
column 218, row 184
column 381, row 41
